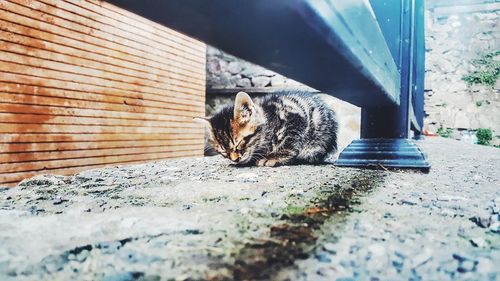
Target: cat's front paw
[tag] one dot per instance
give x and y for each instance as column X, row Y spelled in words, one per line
column 267, row 162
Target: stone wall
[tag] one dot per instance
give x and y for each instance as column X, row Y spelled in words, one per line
column 454, row 37
column 226, row 72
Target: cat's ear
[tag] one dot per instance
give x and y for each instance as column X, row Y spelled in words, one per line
column 203, row 120
column 208, row 126
column 244, row 108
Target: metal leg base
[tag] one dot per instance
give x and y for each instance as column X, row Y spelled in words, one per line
column 383, row 153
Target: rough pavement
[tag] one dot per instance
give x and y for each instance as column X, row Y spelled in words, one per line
column 203, row 219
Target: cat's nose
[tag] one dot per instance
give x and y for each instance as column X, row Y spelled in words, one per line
column 234, row 156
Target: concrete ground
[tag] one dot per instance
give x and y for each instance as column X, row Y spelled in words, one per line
column 203, row 219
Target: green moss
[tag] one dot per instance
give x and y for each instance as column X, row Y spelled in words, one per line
column 484, row 136
column 488, row 70
column 445, row 133
column 294, row 209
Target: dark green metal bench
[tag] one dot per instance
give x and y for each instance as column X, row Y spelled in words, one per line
column 369, row 55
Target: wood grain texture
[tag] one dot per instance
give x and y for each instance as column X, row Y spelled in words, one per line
column 84, row 84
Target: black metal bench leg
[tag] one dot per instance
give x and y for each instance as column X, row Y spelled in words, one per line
column 385, row 130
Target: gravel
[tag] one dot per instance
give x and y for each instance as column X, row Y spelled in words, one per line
column 204, row 219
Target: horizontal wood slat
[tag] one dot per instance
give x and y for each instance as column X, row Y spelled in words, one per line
column 103, row 111
column 81, row 20
column 61, row 146
column 27, row 92
column 124, row 106
column 112, row 72
column 20, row 64
column 11, row 128
column 84, row 84
column 17, row 100
column 135, row 23
column 65, row 137
column 42, row 21
column 12, row 178
column 26, row 84
column 64, row 163
column 74, row 154
column 78, row 120
column 12, row 32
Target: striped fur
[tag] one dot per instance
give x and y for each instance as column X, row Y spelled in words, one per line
column 278, row 129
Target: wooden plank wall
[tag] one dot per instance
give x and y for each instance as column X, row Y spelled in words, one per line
column 85, row 84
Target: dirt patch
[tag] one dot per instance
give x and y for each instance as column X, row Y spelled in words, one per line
column 293, row 236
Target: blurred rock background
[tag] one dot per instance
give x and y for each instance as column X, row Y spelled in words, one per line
column 462, row 66
column 461, row 84
column 227, row 75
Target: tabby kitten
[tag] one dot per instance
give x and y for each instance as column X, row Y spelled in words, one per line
column 277, row 129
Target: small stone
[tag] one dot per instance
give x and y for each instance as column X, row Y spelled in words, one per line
column 261, row 81
column 481, row 221
column 459, row 257
column 59, row 200
column 130, row 256
column 248, row 177
column 234, row 67
column 109, row 248
column 89, row 175
column 323, row 257
column 388, row 215
column 495, row 218
column 213, row 66
column 83, row 255
column 53, row 263
column 53, row 267
column 252, row 70
column 330, row 247
column 466, row 266
column 409, row 201
column 478, row 242
column 124, row 276
column 345, row 279
column 495, row 227
column 244, row 83
column 328, row 273
column 494, row 209
column 377, row 250
column 484, row 266
column 422, row 258
column 398, row 264
column 278, row 80
column 211, row 51
column 42, row 180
